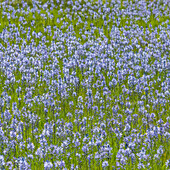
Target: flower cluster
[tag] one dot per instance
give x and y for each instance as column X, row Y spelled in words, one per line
column 84, row 84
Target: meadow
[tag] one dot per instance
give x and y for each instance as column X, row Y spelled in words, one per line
column 84, row 84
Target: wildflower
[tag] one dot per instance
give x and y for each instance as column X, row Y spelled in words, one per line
column 105, row 164
column 48, row 165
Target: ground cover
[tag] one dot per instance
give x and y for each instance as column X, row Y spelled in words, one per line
column 84, row 84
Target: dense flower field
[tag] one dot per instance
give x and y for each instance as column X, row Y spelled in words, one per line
column 84, row 84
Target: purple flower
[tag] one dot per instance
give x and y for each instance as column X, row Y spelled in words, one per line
column 105, row 164
column 48, row 165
